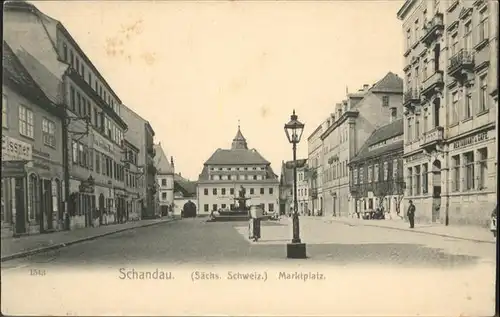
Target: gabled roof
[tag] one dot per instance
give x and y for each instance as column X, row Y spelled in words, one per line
column 236, row 156
column 385, row 132
column 391, row 83
column 15, row 74
column 185, row 186
column 162, row 163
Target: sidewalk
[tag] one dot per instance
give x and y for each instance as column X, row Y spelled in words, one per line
column 470, row 233
column 13, row 248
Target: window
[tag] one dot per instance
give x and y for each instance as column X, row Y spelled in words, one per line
column 75, row 152
column 483, row 97
column 425, row 122
column 72, row 98
column 375, row 172
column 4, row 111
column 417, row 31
column 385, row 101
column 205, row 191
column 164, row 196
column 483, row 26
column 65, row 52
column 394, row 113
column 467, row 36
column 386, row 171
column 78, row 65
column 355, row 176
column 223, row 206
column 72, row 57
column 361, row 175
column 205, row 207
column 454, row 45
column 417, row 180
column 255, row 177
column 271, row 191
column 456, row 173
column 424, row 69
column 454, row 107
column 262, row 191
column 214, row 207
column 270, row 207
column 48, row 132
column 214, row 191
column 394, row 169
column 410, row 131
column 370, row 174
column 408, row 39
column 468, row 106
column 483, row 167
column 469, row 170
column 425, row 179
column 223, row 190
column 252, row 191
column 163, row 182
column 97, row 162
column 417, row 128
column 26, row 122
column 231, row 191
column 410, row 181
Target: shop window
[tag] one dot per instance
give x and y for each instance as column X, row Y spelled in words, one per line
column 469, row 170
column 410, row 181
column 483, row 168
column 425, row 179
column 456, row 173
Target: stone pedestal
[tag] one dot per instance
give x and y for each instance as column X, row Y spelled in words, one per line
column 296, row 251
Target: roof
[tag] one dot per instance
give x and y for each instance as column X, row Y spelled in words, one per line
column 18, row 76
column 185, row 186
column 383, row 133
column 162, row 163
column 236, row 156
column 391, row 83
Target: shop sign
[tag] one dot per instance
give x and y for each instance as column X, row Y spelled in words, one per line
column 15, row 150
column 13, row 169
column 415, row 157
column 87, row 186
column 103, row 144
column 470, row 140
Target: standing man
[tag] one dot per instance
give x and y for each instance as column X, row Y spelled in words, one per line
column 411, row 214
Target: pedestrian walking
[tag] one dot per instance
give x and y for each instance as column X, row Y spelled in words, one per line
column 411, row 214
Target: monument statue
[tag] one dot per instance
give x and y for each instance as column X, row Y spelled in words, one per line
column 242, row 191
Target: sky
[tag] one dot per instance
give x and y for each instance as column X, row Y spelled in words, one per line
column 193, row 69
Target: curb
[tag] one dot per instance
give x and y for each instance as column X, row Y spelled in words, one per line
column 418, row 231
column 65, row 244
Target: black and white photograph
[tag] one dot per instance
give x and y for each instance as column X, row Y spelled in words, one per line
column 249, row 158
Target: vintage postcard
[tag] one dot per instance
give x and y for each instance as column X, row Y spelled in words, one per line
column 249, row 158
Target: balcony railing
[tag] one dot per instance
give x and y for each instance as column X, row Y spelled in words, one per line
column 432, row 84
column 433, row 29
column 411, row 97
column 432, row 137
column 461, row 63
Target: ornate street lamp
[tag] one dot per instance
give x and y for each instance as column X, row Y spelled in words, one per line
column 293, row 130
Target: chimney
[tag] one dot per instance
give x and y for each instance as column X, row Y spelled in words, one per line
column 172, row 161
column 366, row 87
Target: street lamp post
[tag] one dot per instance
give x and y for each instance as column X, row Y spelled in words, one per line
column 293, row 130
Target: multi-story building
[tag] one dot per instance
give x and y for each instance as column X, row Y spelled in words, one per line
column 377, row 171
column 32, row 149
column 451, row 54
column 347, row 130
column 315, row 159
column 227, row 170
column 286, row 186
column 303, row 189
column 165, row 171
column 94, row 180
column 142, row 134
column 132, row 176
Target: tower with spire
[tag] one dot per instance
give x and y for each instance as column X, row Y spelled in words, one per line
column 239, row 141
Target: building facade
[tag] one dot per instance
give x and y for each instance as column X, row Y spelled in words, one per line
column 347, row 129
column 286, row 187
column 228, row 170
column 303, row 181
column 315, row 159
column 141, row 134
column 377, row 172
column 132, row 184
column 32, row 147
column 451, row 53
column 94, row 175
column 165, row 171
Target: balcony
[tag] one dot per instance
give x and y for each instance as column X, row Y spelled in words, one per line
column 461, row 65
column 411, row 98
column 432, row 85
column 433, row 29
column 433, row 137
